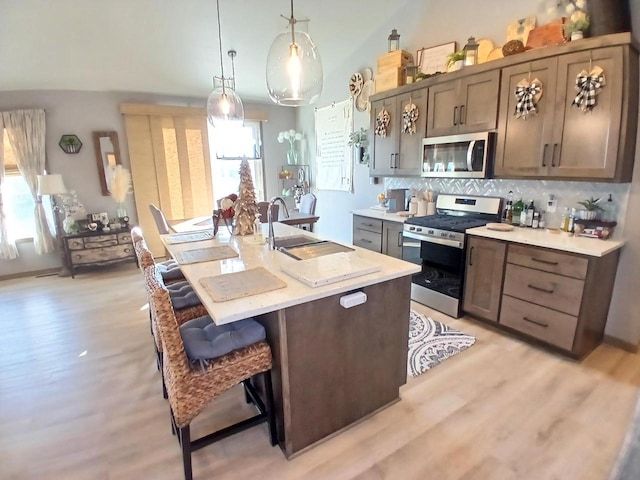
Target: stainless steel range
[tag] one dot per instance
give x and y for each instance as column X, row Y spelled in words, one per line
column 438, row 244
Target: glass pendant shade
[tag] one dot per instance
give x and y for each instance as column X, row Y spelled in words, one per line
column 294, row 70
column 224, row 107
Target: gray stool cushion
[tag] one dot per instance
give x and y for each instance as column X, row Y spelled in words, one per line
column 170, row 270
column 182, row 295
column 204, row 340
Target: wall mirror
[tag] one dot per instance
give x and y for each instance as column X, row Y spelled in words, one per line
column 107, row 155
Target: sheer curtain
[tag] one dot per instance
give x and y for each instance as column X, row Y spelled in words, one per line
column 8, row 249
column 26, row 130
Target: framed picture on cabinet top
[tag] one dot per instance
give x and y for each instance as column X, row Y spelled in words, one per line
column 434, row 59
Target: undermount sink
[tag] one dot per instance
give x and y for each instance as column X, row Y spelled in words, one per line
column 302, row 247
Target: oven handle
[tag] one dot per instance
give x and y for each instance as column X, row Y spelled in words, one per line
column 472, row 145
column 440, row 241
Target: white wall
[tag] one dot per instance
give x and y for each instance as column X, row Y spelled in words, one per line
column 82, row 113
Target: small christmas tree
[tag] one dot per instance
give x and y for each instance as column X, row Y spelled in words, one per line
column 246, row 209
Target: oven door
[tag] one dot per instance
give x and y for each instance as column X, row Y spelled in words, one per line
column 411, row 249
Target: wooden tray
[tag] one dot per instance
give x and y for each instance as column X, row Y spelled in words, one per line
column 230, row 286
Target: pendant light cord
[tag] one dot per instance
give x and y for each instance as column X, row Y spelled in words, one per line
column 220, row 44
column 292, row 21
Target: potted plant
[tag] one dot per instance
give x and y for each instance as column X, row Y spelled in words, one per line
column 591, row 209
column 577, row 25
column 455, row 61
column 360, row 140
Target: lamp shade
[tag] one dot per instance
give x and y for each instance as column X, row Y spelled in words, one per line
column 224, row 106
column 51, row 184
column 294, row 70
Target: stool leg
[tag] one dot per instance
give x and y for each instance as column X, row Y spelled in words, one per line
column 271, row 414
column 186, row 452
column 247, row 397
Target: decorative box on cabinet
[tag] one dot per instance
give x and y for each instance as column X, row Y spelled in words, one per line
column 398, row 153
column 98, row 248
column 466, row 105
column 378, row 235
column 561, row 141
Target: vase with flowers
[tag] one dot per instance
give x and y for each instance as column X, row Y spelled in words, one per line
column 292, row 137
column 120, row 187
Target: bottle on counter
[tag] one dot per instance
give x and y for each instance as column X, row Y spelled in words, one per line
column 541, row 220
column 257, row 230
column 523, row 215
column 517, row 211
column 572, row 218
column 535, row 223
column 564, row 224
column 529, row 218
column 507, row 213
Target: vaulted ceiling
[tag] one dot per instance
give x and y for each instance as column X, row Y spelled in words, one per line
column 169, row 46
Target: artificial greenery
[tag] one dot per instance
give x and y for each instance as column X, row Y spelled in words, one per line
column 591, row 204
column 360, row 139
column 579, row 22
column 454, row 57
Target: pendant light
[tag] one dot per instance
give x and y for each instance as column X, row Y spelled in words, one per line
column 294, row 68
column 224, row 107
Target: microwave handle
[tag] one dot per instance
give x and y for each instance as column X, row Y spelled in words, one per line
column 472, row 145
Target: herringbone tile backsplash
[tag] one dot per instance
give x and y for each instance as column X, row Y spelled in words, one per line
column 567, row 194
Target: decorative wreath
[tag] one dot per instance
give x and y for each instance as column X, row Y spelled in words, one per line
column 382, row 123
column 409, row 118
column 589, row 85
column 527, row 97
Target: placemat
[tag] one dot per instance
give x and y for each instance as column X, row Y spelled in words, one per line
column 189, row 237
column 230, row 286
column 205, row 254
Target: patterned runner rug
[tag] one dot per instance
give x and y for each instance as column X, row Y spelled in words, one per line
column 431, row 342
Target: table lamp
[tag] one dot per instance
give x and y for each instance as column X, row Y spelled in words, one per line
column 53, row 185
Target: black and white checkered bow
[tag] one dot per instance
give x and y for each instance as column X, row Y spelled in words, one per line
column 527, row 96
column 588, row 85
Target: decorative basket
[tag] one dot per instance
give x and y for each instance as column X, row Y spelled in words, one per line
column 512, row 47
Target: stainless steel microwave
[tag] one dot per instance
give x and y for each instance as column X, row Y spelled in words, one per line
column 461, row 156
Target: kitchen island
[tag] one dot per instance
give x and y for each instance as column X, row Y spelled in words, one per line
column 332, row 366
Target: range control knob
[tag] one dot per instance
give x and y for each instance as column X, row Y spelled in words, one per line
column 430, row 232
column 443, row 235
column 418, row 229
column 412, row 229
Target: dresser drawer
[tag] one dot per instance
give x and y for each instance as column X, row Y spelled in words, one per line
column 368, row 240
column 124, row 238
column 548, row 261
column 75, row 243
column 365, row 223
column 542, row 323
column 97, row 255
column 548, row 289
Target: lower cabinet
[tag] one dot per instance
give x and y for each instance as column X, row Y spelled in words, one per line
column 382, row 236
column 98, row 248
column 483, row 278
column 558, row 298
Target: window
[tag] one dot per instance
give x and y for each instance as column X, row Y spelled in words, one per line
column 18, row 201
column 231, row 145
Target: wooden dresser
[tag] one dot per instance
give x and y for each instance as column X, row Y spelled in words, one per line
column 98, row 248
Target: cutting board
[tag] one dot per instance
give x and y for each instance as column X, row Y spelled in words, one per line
column 329, row 269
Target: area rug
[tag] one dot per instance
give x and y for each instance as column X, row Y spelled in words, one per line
column 432, row 342
column 627, row 465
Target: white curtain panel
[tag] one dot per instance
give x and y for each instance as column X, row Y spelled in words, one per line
column 26, row 130
column 8, row 250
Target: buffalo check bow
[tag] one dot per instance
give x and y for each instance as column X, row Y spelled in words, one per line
column 589, row 86
column 527, row 96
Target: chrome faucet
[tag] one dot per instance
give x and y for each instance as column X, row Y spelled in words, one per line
column 272, row 237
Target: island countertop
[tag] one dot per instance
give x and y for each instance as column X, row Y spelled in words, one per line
column 252, row 255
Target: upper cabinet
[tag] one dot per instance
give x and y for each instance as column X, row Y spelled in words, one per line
column 466, row 105
column 561, row 141
column 398, row 153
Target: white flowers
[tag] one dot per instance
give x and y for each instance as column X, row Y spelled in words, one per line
column 290, row 135
column 568, row 7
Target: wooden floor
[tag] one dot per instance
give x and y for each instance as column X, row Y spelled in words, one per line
column 80, row 398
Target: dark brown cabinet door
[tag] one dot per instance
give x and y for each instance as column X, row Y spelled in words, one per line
column 524, row 146
column 442, row 118
column 478, row 109
column 410, row 145
column 392, row 239
column 483, row 278
column 586, row 143
column 385, row 149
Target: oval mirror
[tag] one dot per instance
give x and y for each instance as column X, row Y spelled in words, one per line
column 107, row 155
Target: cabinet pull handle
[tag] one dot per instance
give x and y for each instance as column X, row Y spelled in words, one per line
column 539, row 260
column 471, row 256
column 536, row 322
column 462, row 116
column 395, row 165
column 544, row 155
column 365, row 241
column 540, row 289
column 391, row 160
column 399, row 239
column 553, row 155
column 455, row 111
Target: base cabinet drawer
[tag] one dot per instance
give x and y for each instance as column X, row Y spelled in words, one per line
column 368, row 240
column 366, row 223
column 548, row 261
column 548, row 325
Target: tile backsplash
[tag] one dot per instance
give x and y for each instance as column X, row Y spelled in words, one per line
column 567, row 194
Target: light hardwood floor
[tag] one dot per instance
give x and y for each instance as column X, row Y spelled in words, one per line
column 80, row 398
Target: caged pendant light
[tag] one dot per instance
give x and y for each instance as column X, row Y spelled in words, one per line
column 224, row 107
column 294, row 68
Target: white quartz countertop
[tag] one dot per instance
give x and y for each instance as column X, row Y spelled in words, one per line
column 594, row 247
column 381, row 215
column 252, row 255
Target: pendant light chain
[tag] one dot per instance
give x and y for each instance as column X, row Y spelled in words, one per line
column 292, row 21
column 220, row 45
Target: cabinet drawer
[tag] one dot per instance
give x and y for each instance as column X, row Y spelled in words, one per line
column 75, row 243
column 92, row 243
column 548, row 289
column 106, row 254
column 542, row 323
column 368, row 240
column 124, row 238
column 549, row 261
column 365, row 223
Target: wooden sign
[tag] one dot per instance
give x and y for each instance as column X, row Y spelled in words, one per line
column 545, row 35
